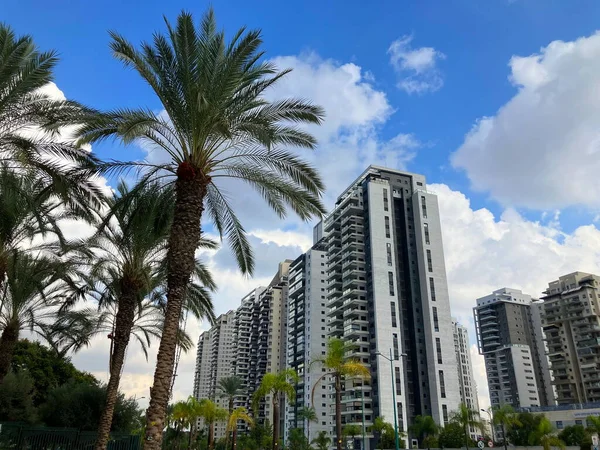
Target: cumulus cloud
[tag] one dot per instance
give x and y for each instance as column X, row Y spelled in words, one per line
column 540, row 150
column 416, row 67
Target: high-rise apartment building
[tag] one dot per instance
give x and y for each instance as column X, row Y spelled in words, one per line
column 508, row 338
column 307, row 338
column 387, row 292
column 571, row 321
column 202, row 374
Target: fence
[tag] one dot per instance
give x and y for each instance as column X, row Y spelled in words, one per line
column 26, row 437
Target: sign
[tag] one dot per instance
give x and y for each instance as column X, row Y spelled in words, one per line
column 481, row 445
column 490, row 443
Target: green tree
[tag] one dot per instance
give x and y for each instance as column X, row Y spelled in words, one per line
column 466, row 418
column 237, row 415
column 16, row 398
column 385, row 433
column 260, row 437
column 529, row 423
column 351, row 431
column 126, row 269
column 424, row 428
column 452, row 436
column 593, row 423
column 506, row 418
column 297, row 440
column 79, row 405
column 575, row 435
column 230, row 388
column 211, row 413
column 307, row 414
column 339, row 366
column 217, row 123
column 544, row 436
column 322, row 441
column 277, row 386
column 47, row 369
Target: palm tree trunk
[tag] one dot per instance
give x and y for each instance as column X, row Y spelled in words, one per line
column 338, row 411
column 234, row 438
column 504, row 437
column 190, row 190
column 275, row 422
column 8, row 342
column 123, row 324
column 211, row 436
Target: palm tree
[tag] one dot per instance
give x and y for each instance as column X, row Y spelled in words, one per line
column 230, row 388
column 544, row 436
column 211, row 413
column 308, row 414
column 322, row 441
column 234, row 417
column 593, row 424
column 338, row 365
column 127, row 275
column 506, row 417
column 32, row 298
column 277, row 385
column 424, row 427
column 181, row 416
column 216, row 124
column 466, row 418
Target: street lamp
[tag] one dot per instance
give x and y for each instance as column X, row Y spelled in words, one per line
column 391, row 360
column 491, row 423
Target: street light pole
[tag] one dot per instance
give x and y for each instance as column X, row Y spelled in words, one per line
column 491, row 423
column 391, row 360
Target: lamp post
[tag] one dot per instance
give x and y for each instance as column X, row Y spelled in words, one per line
column 491, row 423
column 391, row 360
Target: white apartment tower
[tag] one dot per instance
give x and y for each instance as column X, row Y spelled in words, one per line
column 387, row 291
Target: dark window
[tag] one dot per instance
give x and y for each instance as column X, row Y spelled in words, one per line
column 429, row 262
column 442, row 385
column 398, row 381
column 445, row 414
column 432, row 289
column 426, row 230
column 423, row 207
column 387, row 227
column 389, row 254
column 393, row 307
column 438, row 348
column 391, row 282
column 436, row 325
column 385, row 200
column 396, row 351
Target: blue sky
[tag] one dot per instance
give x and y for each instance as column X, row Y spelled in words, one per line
column 506, row 125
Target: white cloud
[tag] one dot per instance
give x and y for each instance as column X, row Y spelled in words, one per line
column 416, row 67
column 540, row 150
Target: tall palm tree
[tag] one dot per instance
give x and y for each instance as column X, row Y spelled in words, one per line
column 339, row 366
column 127, row 275
column 308, row 414
column 277, row 386
column 238, row 414
column 181, row 416
column 230, row 388
column 32, row 298
column 211, row 413
column 424, row 428
column 217, row 124
column 506, row 417
column 466, row 418
column 544, row 436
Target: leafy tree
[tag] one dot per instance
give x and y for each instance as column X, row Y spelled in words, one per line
column 385, row 432
column 297, row 440
column 425, row 428
column 46, row 368
column 322, row 441
column 506, row 417
column 593, row 423
column 277, row 386
column 217, row 123
column 338, row 365
column 211, row 413
column 529, row 423
column 79, row 405
column 237, row 415
column 466, row 418
column 259, row 438
column 308, row 414
column 16, row 398
column 544, row 436
column 574, row 435
column 453, row 436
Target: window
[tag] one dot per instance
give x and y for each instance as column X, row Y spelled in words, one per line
column 438, row 348
column 436, row 325
column 559, row 424
column 387, row 227
column 429, row 262
column 398, row 381
column 442, row 386
column 445, row 414
column 389, row 253
column 396, row 351
column 432, row 289
column 423, row 206
column 426, row 230
column 385, row 200
column 391, row 282
column 393, row 308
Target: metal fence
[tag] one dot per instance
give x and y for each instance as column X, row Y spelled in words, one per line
column 26, row 437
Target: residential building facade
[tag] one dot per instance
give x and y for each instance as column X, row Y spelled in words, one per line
column 571, row 322
column 507, row 337
column 387, row 293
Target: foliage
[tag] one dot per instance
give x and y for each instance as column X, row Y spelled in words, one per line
column 297, row 440
column 453, row 436
column 47, row 369
column 575, row 435
column 385, row 433
column 79, row 405
column 230, row 387
column 466, row 418
column 260, row 437
column 505, row 417
column 322, row 441
column 544, row 435
column 352, row 430
column 16, row 398
column 425, row 428
column 519, row 435
column 593, row 423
